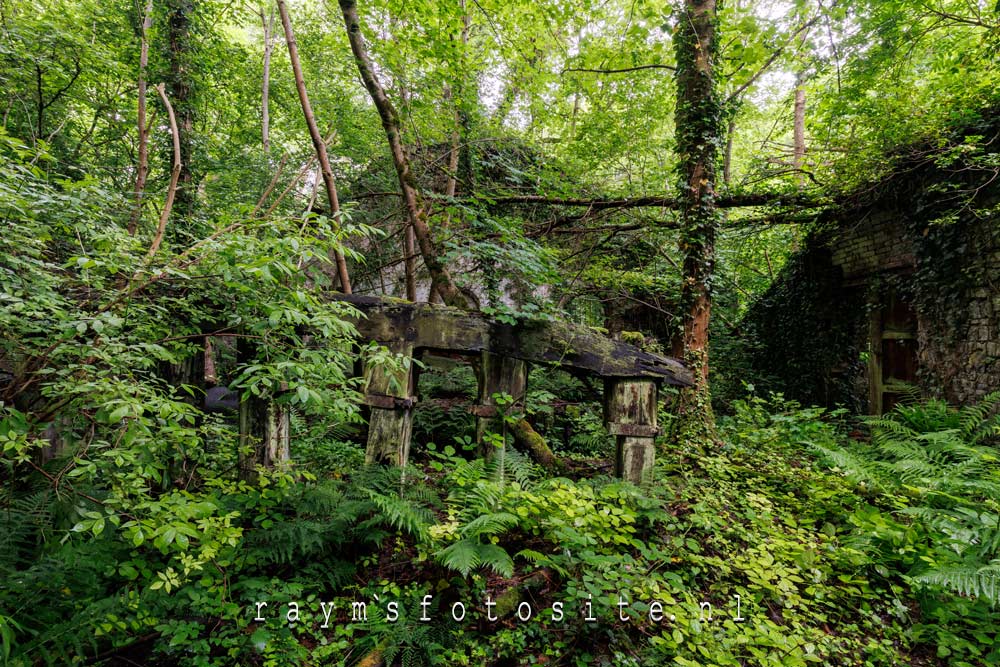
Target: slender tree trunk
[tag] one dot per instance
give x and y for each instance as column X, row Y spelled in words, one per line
column 457, row 101
column 175, row 174
column 142, row 169
column 317, row 140
column 39, row 87
column 572, row 121
column 265, row 93
column 410, row 260
column 698, row 122
column 449, row 291
column 454, row 145
column 408, row 237
column 799, row 132
column 727, row 161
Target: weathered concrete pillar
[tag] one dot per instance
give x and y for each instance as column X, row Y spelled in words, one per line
column 265, row 429
column 630, row 416
column 391, row 397
column 498, row 375
column 265, row 432
column 190, row 372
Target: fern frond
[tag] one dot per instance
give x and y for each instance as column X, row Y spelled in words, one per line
column 467, row 554
column 462, row 556
column 966, row 579
column 402, row 514
column 973, row 417
column 856, row 468
column 510, row 464
column 497, row 559
column 488, row 525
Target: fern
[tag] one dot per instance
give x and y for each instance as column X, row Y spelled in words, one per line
column 478, row 500
column 462, row 556
column 468, row 554
column 395, row 499
column 508, row 463
column 409, row 643
column 967, row 579
column 401, row 514
column 937, row 457
column 490, row 524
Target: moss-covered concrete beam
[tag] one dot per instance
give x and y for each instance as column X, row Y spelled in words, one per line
column 571, row 346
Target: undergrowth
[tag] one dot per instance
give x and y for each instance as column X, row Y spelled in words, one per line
column 789, row 544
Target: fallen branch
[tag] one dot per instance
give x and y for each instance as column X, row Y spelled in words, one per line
column 528, row 439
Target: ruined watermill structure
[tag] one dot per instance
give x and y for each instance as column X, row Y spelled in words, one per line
column 502, row 354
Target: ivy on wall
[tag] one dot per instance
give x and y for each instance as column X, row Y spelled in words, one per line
column 806, row 336
column 803, row 336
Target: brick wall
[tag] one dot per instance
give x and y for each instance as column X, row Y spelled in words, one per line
column 876, row 242
column 969, row 367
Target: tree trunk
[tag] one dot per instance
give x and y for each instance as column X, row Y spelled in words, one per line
column 265, row 113
column 142, row 169
column 727, row 160
column 449, row 291
column 457, row 101
column 408, row 236
column 318, row 144
column 410, row 261
column 799, row 133
column 452, row 182
column 698, row 122
column 175, row 174
column 181, row 86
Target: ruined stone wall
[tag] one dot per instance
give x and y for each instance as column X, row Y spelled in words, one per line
column 809, row 335
column 950, row 272
column 959, row 353
column 905, row 275
column 805, row 336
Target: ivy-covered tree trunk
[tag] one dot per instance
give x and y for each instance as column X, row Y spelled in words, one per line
column 181, row 90
column 699, row 135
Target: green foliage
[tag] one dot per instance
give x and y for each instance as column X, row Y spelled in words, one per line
column 126, row 534
column 939, row 466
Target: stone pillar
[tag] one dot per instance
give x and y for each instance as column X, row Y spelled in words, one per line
column 630, row 416
column 265, row 429
column 391, row 397
column 498, row 375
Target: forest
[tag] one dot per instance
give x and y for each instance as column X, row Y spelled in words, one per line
column 500, row 332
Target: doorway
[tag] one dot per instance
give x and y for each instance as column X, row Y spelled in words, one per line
column 892, row 363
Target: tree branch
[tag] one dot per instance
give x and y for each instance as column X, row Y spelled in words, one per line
column 726, row 201
column 618, row 71
column 175, row 174
column 770, row 61
column 318, row 144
